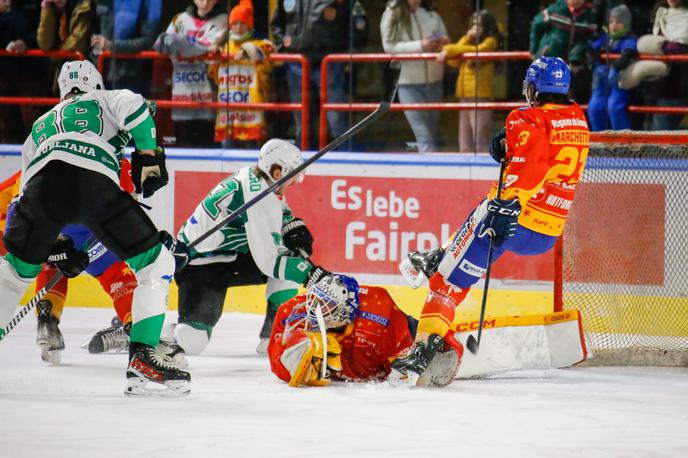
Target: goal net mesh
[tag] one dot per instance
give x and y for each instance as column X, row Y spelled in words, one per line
column 625, row 255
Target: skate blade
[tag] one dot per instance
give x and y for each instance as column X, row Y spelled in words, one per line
column 51, row 356
column 262, row 348
column 171, row 389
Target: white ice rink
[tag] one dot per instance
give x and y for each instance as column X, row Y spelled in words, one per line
column 237, row 408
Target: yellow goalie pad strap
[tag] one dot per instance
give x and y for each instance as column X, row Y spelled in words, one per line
column 308, row 371
column 433, row 324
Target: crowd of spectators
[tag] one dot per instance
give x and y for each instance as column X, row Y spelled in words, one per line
column 581, row 32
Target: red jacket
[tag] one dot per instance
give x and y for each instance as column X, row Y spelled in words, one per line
column 378, row 333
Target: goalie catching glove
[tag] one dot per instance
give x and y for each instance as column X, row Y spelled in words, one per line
column 303, row 357
column 70, row 261
column 148, row 172
column 296, row 236
column 501, row 220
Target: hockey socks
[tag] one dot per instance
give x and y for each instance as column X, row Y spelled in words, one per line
column 119, row 282
column 439, row 308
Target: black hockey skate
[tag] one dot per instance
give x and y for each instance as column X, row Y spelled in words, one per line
column 411, row 367
column 145, row 365
column 426, row 261
column 266, row 332
column 114, row 338
column 48, row 335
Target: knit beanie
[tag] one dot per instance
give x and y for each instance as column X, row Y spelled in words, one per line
column 243, row 12
column 623, row 14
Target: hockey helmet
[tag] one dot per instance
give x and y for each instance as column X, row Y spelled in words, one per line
column 338, row 298
column 282, row 153
column 78, row 74
column 549, row 75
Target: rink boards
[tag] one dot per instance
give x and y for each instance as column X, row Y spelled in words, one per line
column 365, row 211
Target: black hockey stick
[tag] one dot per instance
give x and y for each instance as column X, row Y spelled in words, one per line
column 50, row 284
column 472, row 343
column 392, row 79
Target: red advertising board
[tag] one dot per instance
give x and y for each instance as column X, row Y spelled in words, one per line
column 366, row 225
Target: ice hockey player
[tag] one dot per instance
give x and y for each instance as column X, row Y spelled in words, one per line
column 365, row 330
column 267, row 244
column 545, row 147
column 71, row 163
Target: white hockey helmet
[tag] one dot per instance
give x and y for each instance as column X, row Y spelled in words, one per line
column 79, row 74
column 338, row 298
column 282, row 153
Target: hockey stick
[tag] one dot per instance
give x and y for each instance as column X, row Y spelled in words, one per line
column 392, row 80
column 50, row 284
column 472, row 343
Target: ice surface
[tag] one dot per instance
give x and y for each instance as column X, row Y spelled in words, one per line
column 238, row 408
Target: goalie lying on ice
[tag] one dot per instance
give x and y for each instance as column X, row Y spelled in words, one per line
column 365, row 329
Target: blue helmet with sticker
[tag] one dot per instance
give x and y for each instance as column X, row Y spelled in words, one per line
column 549, row 75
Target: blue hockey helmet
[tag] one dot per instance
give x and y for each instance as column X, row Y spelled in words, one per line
column 549, row 75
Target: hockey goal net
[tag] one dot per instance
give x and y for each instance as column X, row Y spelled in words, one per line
column 623, row 260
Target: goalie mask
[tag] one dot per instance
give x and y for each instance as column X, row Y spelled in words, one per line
column 78, row 76
column 337, row 296
column 282, row 153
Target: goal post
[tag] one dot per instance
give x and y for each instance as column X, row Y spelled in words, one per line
column 623, row 258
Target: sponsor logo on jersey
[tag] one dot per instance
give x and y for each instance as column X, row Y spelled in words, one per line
column 559, row 202
column 471, row 269
column 518, row 159
column 373, row 317
column 568, row 122
column 509, row 180
column 96, row 252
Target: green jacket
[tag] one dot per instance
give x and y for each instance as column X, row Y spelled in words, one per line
column 556, row 32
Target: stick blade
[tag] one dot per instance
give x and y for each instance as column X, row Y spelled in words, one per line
column 472, row 344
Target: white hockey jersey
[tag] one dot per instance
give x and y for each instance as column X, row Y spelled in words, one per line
column 89, row 131
column 257, row 231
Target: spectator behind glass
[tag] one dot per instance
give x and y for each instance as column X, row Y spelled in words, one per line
column 202, row 28
column 245, row 79
column 474, row 83
column 563, row 29
column 669, row 36
column 411, row 26
column 127, row 27
column 17, row 34
column 315, row 28
column 608, row 106
column 65, row 25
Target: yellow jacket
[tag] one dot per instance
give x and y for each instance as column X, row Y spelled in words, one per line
column 466, row 82
column 78, row 32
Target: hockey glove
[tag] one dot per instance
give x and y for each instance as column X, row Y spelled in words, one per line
column 303, row 358
column 178, row 249
column 70, row 261
column 148, row 172
column 315, row 275
column 501, row 220
column 498, row 145
column 296, row 236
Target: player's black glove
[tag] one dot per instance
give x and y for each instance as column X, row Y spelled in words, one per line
column 178, row 249
column 501, row 220
column 148, row 172
column 498, row 145
column 315, row 275
column 296, row 236
column 70, row 261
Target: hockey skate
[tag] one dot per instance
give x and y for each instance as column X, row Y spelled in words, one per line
column 48, row 335
column 114, row 338
column 266, row 332
column 419, row 266
column 146, row 365
column 172, row 353
column 408, row 369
